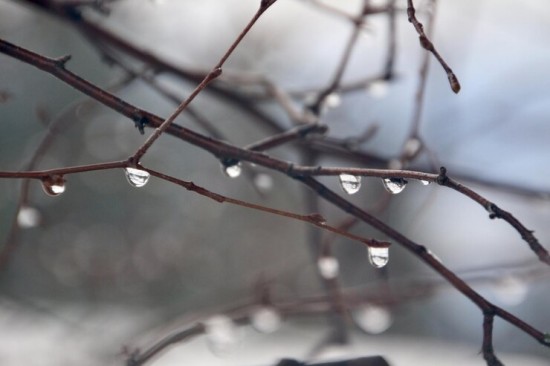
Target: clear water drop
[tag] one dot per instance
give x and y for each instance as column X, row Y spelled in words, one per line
column 373, row 319
column 425, row 182
column 53, row 185
column 394, row 185
column 266, row 319
column 328, row 267
column 378, row 89
column 378, row 257
column 28, row 217
column 333, row 100
column 351, row 184
column 232, row 171
column 221, row 334
column 137, row 177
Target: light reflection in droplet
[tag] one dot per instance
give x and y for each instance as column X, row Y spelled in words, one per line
column 136, row 177
column 53, row 185
column 394, row 185
column 378, row 257
column 351, row 184
column 232, row 171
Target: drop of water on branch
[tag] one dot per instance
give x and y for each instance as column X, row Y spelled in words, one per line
column 266, row 319
column 232, row 171
column 28, row 217
column 137, row 177
column 378, row 257
column 328, row 267
column 351, row 184
column 373, row 319
column 394, row 185
column 425, row 182
column 53, row 185
column 221, row 334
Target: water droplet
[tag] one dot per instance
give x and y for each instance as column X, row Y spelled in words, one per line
column 425, row 182
column 333, row 100
column 328, row 267
column 379, row 257
column 53, row 185
column 28, row 217
column 264, row 182
column 137, row 177
column 266, row 319
column 351, row 184
column 394, row 185
column 378, row 89
column 373, row 319
column 221, row 334
column 233, row 170
column 510, row 290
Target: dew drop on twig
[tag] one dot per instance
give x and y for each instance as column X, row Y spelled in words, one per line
column 328, row 267
column 373, row 319
column 394, row 185
column 351, row 184
column 266, row 319
column 221, row 334
column 137, row 177
column 53, row 185
column 424, row 182
column 378, row 257
column 28, row 217
column 232, row 171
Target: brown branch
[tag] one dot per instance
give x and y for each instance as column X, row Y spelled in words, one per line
column 428, row 45
column 487, row 348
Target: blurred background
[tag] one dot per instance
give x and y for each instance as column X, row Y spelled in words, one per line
column 106, row 266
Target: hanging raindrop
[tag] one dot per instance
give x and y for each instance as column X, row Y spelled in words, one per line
column 266, row 319
column 53, row 185
column 379, row 257
column 351, row 184
column 328, row 267
column 221, row 334
column 232, row 170
column 137, row 177
column 373, row 319
column 28, row 217
column 394, row 185
column 425, row 182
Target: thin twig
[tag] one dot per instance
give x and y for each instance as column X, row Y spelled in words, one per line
column 428, row 45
